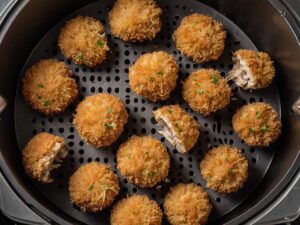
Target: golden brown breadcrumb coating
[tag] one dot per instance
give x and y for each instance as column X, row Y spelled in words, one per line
column 100, row 119
column 200, row 37
column 43, row 153
column 252, row 69
column 93, row 187
column 154, row 75
column 135, row 20
column 48, row 86
column 258, row 124
column 187, row 204
column 206, row 91
column 180, row 128
column 225, row 169
column 144, row 161
column 136, row 210
column 83, row 40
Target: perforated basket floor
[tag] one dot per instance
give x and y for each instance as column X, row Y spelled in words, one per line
column 112, row 77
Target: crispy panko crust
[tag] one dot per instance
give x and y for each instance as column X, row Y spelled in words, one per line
column 225, row 169
column 258, row 124
column 154, row 75
column 206, row 91
column 259, row 65
column 136, row 210
column 83, row 40
column 181, row 125
column 48, row 86
column 41, row 155
column 187, row 204
column 200, row 37
column 135, row 20
column 100, row 119
column 93, row 187
column 144, row 161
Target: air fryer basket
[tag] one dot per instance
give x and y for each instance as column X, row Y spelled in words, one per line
column 112, row 77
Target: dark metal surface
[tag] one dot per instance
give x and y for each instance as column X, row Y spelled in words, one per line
column 264, row 24
column 112, row 77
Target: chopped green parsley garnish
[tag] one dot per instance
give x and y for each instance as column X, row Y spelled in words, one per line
column 110, row 125
column 159, row 73
column 46, row 103
column 264, row 128
column 100, row 44
column 178, row 127
column 170, row 111
column 151, row 174
column 229, row 172
column 200, row 91
column 79, row 56
column 110, row 111
column 41, row 86
column 257, row 114
column 251, row 130
column 91, row 187
column 214, row 80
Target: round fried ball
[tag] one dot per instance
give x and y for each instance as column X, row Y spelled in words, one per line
column 252, row 69
column 83, row 40
column 206, row 91
column 154, row 75
column 144, row 161
column 258, row 124
column 136, row 210
column 42, row 154
column 48, row 86
column 187, row 204
column 224, row 169
column 179, row 127
column 135, row 20
column 100, row 119
column 93, row 187
column 200, row 37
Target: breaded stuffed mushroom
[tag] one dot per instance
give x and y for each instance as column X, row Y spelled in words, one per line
column 49, row 87
column 144, row 161
column 258, row 124
column 154, row 75
column 93, row 187
column 187, row 204
column 42, row 154
column 100, row 119
column 83, row 40
column 224, row 169
column 200, row 37
column 135, row 20
column 179, row 127
column 252, row 69
column 136, row 210
column 206, row 91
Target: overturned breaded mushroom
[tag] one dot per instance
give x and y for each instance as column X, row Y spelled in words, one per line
column 206, row 91
column 100, row 119
column 93, row 187
column 135, row 20
column 49, row 86
column 200, row 37
column 252, row 69
column 258, row 124
column 136, row 210
column 154, row 75
column 187, row 204
column 42, row 154
column 83, row 40
column 180, row 128
column 224, row 169
column 144, row 161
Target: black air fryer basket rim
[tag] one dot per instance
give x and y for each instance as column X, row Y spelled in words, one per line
column 56, row 216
